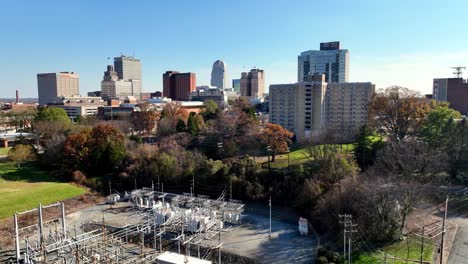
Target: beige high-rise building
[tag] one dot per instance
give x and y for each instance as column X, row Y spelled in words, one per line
column 346, row 106
column 315, row 107
column 114, row 88
column 52, row 87
column 252, row 84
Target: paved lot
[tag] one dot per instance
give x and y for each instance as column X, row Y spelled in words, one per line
column 459, row 251
column 251, row 239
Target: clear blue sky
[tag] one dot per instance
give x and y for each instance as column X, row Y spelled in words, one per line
column 401, row 42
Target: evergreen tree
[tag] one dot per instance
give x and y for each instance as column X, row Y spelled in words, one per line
column 365, row 147
column 180, row 126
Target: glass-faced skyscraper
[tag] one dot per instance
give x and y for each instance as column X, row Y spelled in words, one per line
column 219, row 74
column 329, row 60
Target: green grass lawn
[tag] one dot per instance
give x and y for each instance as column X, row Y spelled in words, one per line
column 299, row 156
column 398, row 250
column 4, row 151
column 24, row 188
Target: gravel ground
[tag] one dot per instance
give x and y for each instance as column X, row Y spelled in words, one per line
column 251, row 239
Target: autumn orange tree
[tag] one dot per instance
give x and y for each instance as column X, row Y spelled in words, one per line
column 146, row 118
column 398, row 111
column 276, row 138
column 96, row 151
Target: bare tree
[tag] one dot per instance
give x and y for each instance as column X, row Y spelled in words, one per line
column 409, row 168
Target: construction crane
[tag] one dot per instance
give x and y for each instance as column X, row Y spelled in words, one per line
column 459, row 71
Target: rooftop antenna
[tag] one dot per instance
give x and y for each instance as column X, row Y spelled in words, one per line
column 459, row 71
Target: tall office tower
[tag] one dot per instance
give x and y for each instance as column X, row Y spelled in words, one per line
column 52, row 86
column 179, row 86
column 129, row 69
column 114, row 88
column 329, row 60
column 252, row 84
column 236, row 85
column 314, row 106
column 219, row 75
column 454, row 91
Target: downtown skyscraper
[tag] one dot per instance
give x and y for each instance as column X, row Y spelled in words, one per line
column 330, row 60
column 252, row 84
column 53, row 86
column 179, row 86
column 219, row 75
column 123, row 79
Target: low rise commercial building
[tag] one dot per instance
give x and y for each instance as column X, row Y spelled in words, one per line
column 204, row 94
column 80, row 105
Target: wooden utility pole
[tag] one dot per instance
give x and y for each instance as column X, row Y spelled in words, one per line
column 443, row 232
column 422, row 246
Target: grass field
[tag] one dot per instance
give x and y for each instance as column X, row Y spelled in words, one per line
column 299, row 156
column 398, row 250
column 4, row 151
column 22, row 189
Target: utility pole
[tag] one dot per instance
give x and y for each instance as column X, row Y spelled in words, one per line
column 193, row 184
column 350, row 231
column 349, row 249
column 269, row 235
column 344, row 219
column 230, row 189
column 422, row 245
column 443, row 231
column 347, row 221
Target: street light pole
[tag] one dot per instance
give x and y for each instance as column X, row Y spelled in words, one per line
column 268, row 154
column 269, row 235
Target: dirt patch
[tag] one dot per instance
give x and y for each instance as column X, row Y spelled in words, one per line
column 7, row 229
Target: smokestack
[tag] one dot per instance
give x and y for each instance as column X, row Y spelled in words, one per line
column 17, row 96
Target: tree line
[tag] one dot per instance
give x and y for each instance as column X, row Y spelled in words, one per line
column 409, row 145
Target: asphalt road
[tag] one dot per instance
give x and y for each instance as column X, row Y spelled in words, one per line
column 459, row 251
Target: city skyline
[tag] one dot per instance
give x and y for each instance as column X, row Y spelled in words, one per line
column 377, row 52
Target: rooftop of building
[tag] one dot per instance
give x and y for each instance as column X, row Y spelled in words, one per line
column 64, row 73
column 172, row 257
column 126, row 58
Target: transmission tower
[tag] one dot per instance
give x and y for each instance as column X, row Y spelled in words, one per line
column 459, row 71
